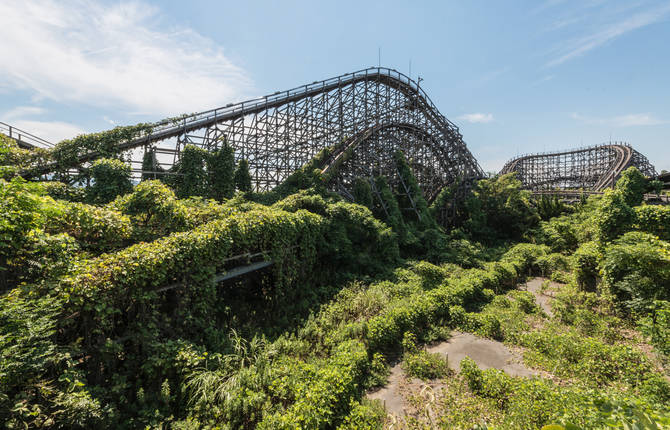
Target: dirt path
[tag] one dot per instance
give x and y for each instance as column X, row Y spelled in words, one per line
column 486, row 353
column 542, row 299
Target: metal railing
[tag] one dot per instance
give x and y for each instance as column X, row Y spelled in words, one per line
column 24, row 139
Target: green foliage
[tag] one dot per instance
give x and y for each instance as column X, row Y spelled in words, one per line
column 12, row 158
column 111, row 178
column 243, row 177
column 631, row 184
column 655, row 186
column 636, row 268
column 654, row 220
column 367, row 415
column 353, row 237
column 29, row 358
column 585, row 265
column 421, row 364
column 335, row 385
column 192, row 179
column 656, row 325
column 308, row 176
column 531, row 403
column 613, row 217
column 363, row 192
column 95, row 228
column 389, row 211
column 62, row 191
column 150, row 167
column 549, row 207
column 66, row 153
column 221, row 170
column 27, row 251
column 559, row 233
column 413, row 197
column 499, row 209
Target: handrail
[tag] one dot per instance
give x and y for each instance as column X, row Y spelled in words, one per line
column 23, row 138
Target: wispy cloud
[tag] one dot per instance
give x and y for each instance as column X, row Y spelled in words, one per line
column 52, row 131
column 629, row 120
column 477, row 117
column 113, row 55
column 542, row 80
column 21, row 112
column 623, row 23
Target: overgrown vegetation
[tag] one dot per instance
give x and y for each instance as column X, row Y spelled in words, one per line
column 119, row 308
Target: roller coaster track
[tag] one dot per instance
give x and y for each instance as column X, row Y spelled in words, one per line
column 593, row 169
column 24, row 139
column 372, row 112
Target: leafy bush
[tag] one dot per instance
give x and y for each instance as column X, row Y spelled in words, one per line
column 654, row 220
column 656, row 325
column 631, row 184
column 425, row 365
column 111, row 178
column 319, row 404
column 636, row 268
column 560, row 234
column 530, row 403
column 499, row 209
column 221, row 172
column 242, row 176
column 95, row 228
column 613, row 217
column 585, row 262
column 62, row 191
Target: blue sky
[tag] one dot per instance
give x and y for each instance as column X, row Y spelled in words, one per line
column 516, row 76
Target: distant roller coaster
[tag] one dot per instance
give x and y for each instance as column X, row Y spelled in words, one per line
column 592, row 169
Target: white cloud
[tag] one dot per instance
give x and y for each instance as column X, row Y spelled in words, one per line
column 629, row 120
column 477, row 117
column 113, row 55
column 51, row 131
column 581, row 45
column 22, row 111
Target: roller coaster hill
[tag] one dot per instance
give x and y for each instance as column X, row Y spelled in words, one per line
column 360, row 119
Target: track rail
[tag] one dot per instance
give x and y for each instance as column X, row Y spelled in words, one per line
column 24, row 139
column 183, row 125
column 593, row 168
column 364, row 116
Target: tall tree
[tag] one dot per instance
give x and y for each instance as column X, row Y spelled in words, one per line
column 221, row 170
column 242, row 176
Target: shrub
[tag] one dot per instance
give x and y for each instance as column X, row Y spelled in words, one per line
column 222, row 176
column 636, row 268
column 654, row 220
column 613, row 217
column 656, row 325
column 61, row 191
column 631, row 184
column 585, row 265
column 192, row 179
column 425, row 365
column 95, row 228
column 243, row 177
column 319, row 404
column 111, row 178
column 499, row 209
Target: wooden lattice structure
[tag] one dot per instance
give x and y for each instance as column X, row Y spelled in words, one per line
column 370, row 114
column 594, row 168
